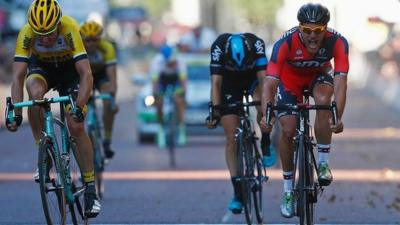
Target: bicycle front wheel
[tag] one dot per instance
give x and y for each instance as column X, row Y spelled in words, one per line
column 51, row 182
column 310, row 183
column 258, row 189
column 305, row 185
column 244, row 166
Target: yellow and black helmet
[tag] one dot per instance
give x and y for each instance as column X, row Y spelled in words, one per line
column 44, row 16
column 91, row 29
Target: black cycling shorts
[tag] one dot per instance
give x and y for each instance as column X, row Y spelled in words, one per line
column 232, row 94
column 286, row 97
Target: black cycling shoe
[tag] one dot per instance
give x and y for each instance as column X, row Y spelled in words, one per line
column 92, row 203
column 108, row 153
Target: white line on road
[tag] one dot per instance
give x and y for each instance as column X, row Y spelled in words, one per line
column 356, row 175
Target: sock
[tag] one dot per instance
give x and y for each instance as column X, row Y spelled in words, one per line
column 88, row 177
column 107, row 136
column 237, row 188
column 287, row 181
column 323, row 152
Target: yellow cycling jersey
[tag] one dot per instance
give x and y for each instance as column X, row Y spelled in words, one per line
column 69, row 45
column 104, row 56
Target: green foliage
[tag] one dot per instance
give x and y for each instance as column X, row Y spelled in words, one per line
column 259, row 11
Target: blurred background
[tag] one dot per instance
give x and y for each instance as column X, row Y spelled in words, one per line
column 366, row 165
column 138, row 27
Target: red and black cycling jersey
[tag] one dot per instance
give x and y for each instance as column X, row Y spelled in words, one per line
column 293, row 64
column 220, row 65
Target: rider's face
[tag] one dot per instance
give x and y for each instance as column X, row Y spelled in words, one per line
column 312, row 34
column 48, row 40
column 91, row 45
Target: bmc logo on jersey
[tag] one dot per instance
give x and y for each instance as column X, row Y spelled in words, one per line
column 308, row 64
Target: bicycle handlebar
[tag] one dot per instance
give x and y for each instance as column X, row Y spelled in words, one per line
column 40, row 102
column 234, row 105
column 302, row 107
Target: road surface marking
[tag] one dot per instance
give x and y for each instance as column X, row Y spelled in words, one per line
column 356, row 175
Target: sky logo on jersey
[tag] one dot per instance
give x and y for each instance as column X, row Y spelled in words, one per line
column 259, row 47
column 216, row 54
column 308, row 64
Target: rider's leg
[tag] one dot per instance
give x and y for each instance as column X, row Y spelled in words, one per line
column 180, row 105
column 286, row 147
column 269, row 155
column 108, row 121
column 36, row 86
column 322, row 95
column 84, row 151
column 230, row 122
column 161, row 139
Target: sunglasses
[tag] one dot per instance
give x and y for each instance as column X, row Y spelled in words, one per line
column 309, row 30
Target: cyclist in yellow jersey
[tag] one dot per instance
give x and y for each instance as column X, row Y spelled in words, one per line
column 103, row 62
column 50, row 48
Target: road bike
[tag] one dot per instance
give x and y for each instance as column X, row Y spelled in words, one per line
column 170, row 123
column 60, row 181
column 307, row 187
column 94, row 128
column 251, row 173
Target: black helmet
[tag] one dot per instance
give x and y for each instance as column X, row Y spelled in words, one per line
column 313, row 13
column 238, row 51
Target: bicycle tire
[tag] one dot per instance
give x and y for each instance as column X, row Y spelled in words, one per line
column 301, row 184
column 258, row 190
column 76, row 188
column 95, row 137
column 51, row 182
column 170, row 137
column 311, row 195
column 243, row 167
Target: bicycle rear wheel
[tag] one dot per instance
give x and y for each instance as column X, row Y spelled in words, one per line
column 244, row 167
column 51, row 180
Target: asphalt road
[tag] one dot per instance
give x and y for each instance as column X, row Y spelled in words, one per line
column 142, row 189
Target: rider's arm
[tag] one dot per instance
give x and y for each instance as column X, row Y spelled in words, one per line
column 341, row 61
column 111, row 65
column 182, row 73
column 23, row 48
column 17, row 88
column 85, row 83
column 216, row 84
column 274, row 70
column 111, row 72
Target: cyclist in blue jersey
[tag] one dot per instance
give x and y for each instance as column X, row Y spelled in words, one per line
column 238, row 63
column 167, row 68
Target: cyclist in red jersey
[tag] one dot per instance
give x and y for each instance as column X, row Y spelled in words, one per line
column 301, row 59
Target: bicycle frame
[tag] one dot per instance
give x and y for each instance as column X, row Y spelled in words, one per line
column 61, row 154
column 306, row 189
column 170, row 116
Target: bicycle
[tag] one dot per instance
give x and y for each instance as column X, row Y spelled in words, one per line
column 250, row 170
column 307, row 187
column 170, row 126
column 60, row 181
column 93, row 126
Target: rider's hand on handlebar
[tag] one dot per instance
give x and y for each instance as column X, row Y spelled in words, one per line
column 263, row 124
column 13, row 126
column 338, row 127
column 77, row 114
column 212, row 124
